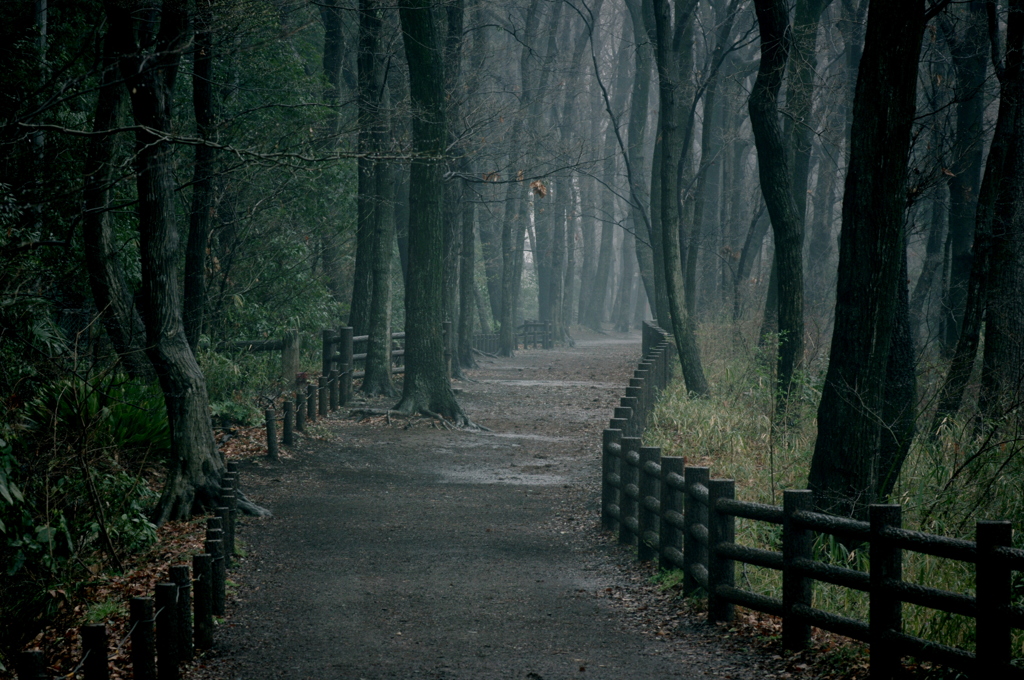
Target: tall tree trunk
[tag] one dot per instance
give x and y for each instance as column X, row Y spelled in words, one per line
column 1002, row 370
column 993, row 206
column 467, row 287
column 490, row 245
column 201, row 213
column 844, row 467
column 623, row 312
column 332, row 61
column 777, row 186
column 668, row 52
column 426, row 386
column 375, row 194
column 970, row 53
column 195, row 468
column 110, row 292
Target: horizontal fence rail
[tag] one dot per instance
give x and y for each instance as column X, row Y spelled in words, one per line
column 686, row 520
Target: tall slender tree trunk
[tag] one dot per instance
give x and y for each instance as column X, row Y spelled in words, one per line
column 376, row 194
column 668, row 53
column 201, row 213
column 110, row 292
column 426, row 386
column 195, row 469
column 969, row 49
column 777, row 187
column 844, row 468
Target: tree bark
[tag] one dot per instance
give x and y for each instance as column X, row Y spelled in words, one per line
column 195, row 469
column 992, row 206
column 110, row 292
column 669, row 47
column 968, row 47
column 777, row 187
column 201, row 213
column 844, row 467
column 426, row 386
column 375, row 196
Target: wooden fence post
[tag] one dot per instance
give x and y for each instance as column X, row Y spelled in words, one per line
column 626, row 415
column 721, row 530
column 94, row 651
column 300, row 410
column 271, row 420
column 288, row 437
column 347, row 364
column 224, row 514
column 31, row 665
column 796, row 588
column 323, row 394
column 647, row 516
column 993, row 593
column 166, row 631
column 629, row 472
column 635, row 395
column 327, row 352
column 885, row 609
column 670, row 537
column 311, row 403
column 695, row 514
column 610, row 479
column 180, row 576
column 290, row 344
column 143, row 654
column 202, row 570
column 333, row 390
column 635, row 424
column 214, row 547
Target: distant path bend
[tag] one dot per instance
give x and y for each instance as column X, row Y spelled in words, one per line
column 422, row 553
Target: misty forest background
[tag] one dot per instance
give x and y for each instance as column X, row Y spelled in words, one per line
column 822, row 200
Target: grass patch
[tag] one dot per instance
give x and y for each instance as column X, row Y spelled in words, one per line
column 966, row 473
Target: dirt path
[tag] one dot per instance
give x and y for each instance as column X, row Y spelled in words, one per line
column 424, row 553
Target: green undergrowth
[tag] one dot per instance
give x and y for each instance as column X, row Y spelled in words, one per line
column 964, row 474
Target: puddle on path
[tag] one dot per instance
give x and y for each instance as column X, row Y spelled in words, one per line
column 510, row 476
column 553, row 383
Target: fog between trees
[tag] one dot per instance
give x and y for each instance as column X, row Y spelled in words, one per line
column 818, row 174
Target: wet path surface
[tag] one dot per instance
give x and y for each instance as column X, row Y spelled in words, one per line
column 426, row 553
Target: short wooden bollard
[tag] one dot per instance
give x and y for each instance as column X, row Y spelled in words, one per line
column 334, row 387
column 180, row 576
column 300, row 410
column 797, row 544
column 167, row 631
column 721, row 530
column 648, row 541
column 202, row 628
column 345, row 334
column 94, row 651
column 695, row 514
column 214, row 547
column 885, row 614
column 324, row 395
column 32, row 666
column 231, row 503
column 143, row 654
column 311, row 403
column 287, row 437
column 271, row 418
column 223, row 513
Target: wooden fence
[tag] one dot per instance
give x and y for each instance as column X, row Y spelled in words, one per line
column 529, row 334
column 680, row 516
column 164, row 630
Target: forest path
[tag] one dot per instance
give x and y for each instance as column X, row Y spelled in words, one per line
column 425, row 553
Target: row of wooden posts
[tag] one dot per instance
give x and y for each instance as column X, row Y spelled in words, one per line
column 167, row 629
column 680, row 516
